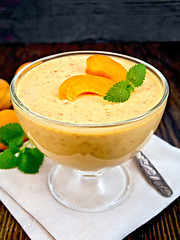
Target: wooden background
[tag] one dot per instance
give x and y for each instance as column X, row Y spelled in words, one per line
column 165, row 57
column 65, row 21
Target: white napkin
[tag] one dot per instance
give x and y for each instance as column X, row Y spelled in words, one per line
column 42, row 217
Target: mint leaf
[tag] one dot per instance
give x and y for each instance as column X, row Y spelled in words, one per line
column 30, row 160
column 7, row 159
column 12, row 133
column 136, row 75
column 118, row 92
column 2, row 141
column 130, row 88
column 14, row 149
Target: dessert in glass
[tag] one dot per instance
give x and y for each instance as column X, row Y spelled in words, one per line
column 88, row 138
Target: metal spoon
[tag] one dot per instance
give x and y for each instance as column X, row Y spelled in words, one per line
column 152, row 175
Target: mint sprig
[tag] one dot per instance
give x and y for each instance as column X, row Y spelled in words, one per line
column 121, row 91
column 26, row 159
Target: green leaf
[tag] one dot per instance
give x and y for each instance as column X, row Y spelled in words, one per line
column 2, row 141
column 136, row 75
column 130, row 88
column 30, row 160
column 7, row 159
column 12, row 133
column 118, row 92
column 14, row 149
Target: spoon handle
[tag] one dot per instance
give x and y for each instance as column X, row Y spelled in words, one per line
column 152, row 175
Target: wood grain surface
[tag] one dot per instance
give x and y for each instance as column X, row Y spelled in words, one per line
column 97, row 20
column 164, row 56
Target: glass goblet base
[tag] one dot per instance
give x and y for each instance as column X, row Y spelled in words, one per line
column 89, row 191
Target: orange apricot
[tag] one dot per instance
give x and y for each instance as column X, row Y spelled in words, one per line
column 105, row 66
column 7, row 116
column 5, row 100
column 76, row 85
column 23, row 65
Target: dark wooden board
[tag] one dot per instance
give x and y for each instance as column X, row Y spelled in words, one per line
column 40, row 21
column 165, row 57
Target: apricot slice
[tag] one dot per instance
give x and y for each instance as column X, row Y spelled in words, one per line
column 72, row 87
column 5, row 100
column 105, row 66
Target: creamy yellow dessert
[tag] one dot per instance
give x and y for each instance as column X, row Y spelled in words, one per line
column 38, row 90
column 86, row 147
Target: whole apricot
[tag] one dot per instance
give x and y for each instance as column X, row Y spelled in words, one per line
column 5, row 100
column 20, row 67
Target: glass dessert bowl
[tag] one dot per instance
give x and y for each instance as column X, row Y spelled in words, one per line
column 89, row 175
